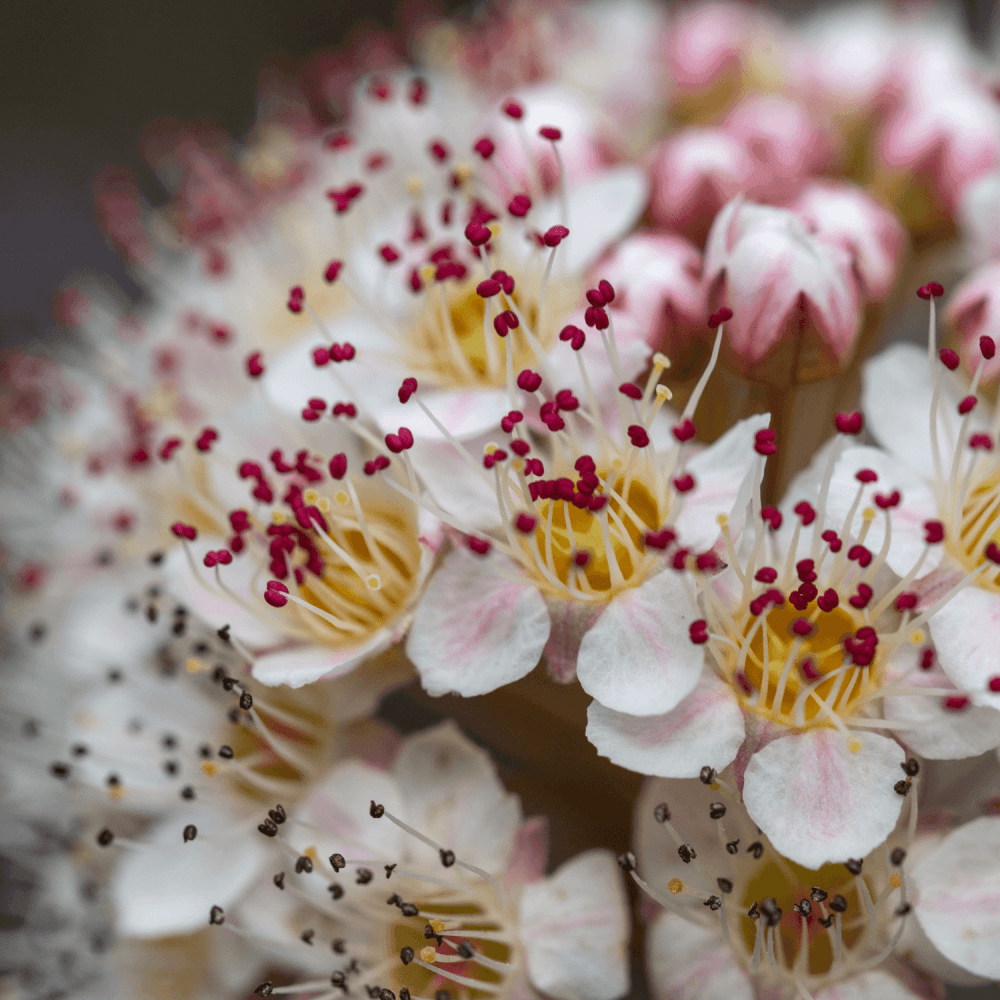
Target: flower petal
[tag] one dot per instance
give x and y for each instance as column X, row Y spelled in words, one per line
column 686, row 961
column 638, row 658
column 821, row 796
column 958, row 896
column 474, row 630
column 571, row 621
column 705, row 728
column 308, row 664
column 966, row 634
column 530, row 855
column 874, row 985
column 575, row 926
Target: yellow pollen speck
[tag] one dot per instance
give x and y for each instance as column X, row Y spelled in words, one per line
column 437, row 926
column 310, row 496
column 277, row 517
column 323, row 504
column 208, row 767
column 194, row 666
column 722, row 520
column 427, row 273
column 895, row 880
column 116, row 793
column 675, row 885
column 85, row 720
column 462, row 172
column 868, row 513
column 374, row 582
column 311, row 852
column 494, row 228
column 517, row 465
column 854, row 746
column 428, row 954
column 341, row 497
column 617, row 463
column 662, row 392
column 490, row 448
column 916, row 637
column 415, row 185
column 660, row 360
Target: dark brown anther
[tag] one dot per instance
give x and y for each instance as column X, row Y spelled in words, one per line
column 817, row 894
column 59, row 770
column 902, row 786
column 827, row 921
column 217, row 915
column 389, row 869
column 713, row 903
column 373, row 991
column 386, row 995
column 404, row 993
column 268, row 828
column 228, row 683
column 246, row 701
column 707, row 775
column 769, row 907
column 853, row 866
column 279, row 880
column 190, row 832
column 838, row 904
column 278, row 814
column 897, row 856
column 686, row 853
column 429, row 932
column 911, row 768
column 264, row 990
column 226, row 752
column 364, row 876
column 409, row 909
column 337, row 862
column 753, row 913
column 406, row 955
column 627, row 861
column 223, row 633
column 902, row 909
column 733, row 846
column 394, row 900
column 447, row 857
column 442, row 995
column 113, row 781
column 303, row 864
column 717, row 810
column 756, row 849
column 339, row 980
column 661, row 813
column 307, row 936
column 465, row 949
column 155, row 558
column 105, row 837
column 803, row 907
column 336, row 891
column 338, row 945
column 171, row 767
column 376, row 811
column 725, row 885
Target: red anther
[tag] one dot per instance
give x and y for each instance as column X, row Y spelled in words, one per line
column 263, row 493
column 967, row 405
column 438, row 150
column 685, row 430
column 607, row 290
column 275, row 594
column 906, row 601
column 525, row 523
column 585, row 463
column 679, row 560
column 488, row 288
column 763, row 442
column 485, row 147
column 981, row 441
column 520, row 447
column 534, row 467
column 565, row 400
column 806, row 512
column 338, row 465
column 720, row 316
column 931, row 290
column 416, row 283
column 377, row 464
column 949, row 358
column 631, row 390
column 660, row 539
column 345, row 410
column 567, row 333
column 849, row 423
column 927, row 658
column 240, row 520
column 698, row 631
column 388, row 253
column 505, row 280
column 933, row 532
column 500, row 324
column 310, row 415
column 519, row 206
column 528, row 380
column 317, row 404
column 341, row 140
column 407, row 389
column 417, row 91
column 581, row 558
column 987, row 347
column 597, row 317
column 809, row 669
column 806, row 570
column 685, row 483
column 279, row 463
column 707, row 561
column 477, row 234
column 554, row 422
column 297, row 292
column 379, row 88
column 554, row 235
column 775, row 596
column 205, row 439
column 182, row 530
column 550, row 132
column 862, row 597
column 994, row 684
column 772, row 516
column 513, row 110
column 255, row 366
column 956, row 702
column 446, row 212
column 741, row 679
column 861, row 646
column 342, row 352
column 251, row 470
column 236, row 544
column 294, row 305
column 638, row 436
column 210, row 559
column 168, row 448
column 866, row 476
column 594, row 297
column 395, row 445
column 332, row 271
column 139, row 457
column 828, row 600
column 757, row 606
column 596, row 503
column 992, row 552
column 481, row 546
column 766, row 575
column 859, row 554
column 580, row 500
column 800, row 601
column 321, row 356
column 886, row 502
column 802, row 627
column 511, row 318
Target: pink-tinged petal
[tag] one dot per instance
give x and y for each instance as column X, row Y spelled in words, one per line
column 575, row 929
column 723, row 474
column 454, row 485
column 957, row 893
column 639, row 658
column 466, row 413
column 530, row 856
column 705, row 728
column 170, row 889
column 979, row 215
column 474, row 629
column 823, row 796
column 918, row 505
column 848, row 216
column 966, row 633
column 688, row 961
column 308, row 664
column 571, row 620
column 974, row 312
column 874, row 985
column 759, row 732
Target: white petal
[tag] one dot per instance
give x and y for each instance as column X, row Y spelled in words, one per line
column 452, row 794
column 958, row 896
column 966, row 633
column 171, row 888
column 638, row 658
column 575, row 928
column 874, row 985
column 818, row 801
column 307, row 664
column 474, row 630
column 687, row 961
column 705, row 728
